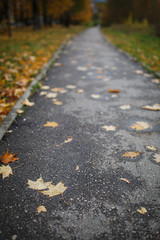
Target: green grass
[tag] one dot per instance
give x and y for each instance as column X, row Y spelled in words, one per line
column 141, row 43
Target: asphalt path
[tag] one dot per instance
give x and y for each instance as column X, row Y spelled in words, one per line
column 85, row 152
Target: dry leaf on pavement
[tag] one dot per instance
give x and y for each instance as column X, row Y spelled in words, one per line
column 45, row 87
column 51, row 124
column 113, row 90
column 57, row 64
column 70, row 86
column 79, row 90
column 155, row 107
column 131, row 154
column 124, row 107
column 41, row 209
column 125, row 180
column 61, row 90
column 5, row 171
column 43, row 93
column 95, row 96
column 55, row 190
column 157, row 157
column 138, row 72
column 8, row 157
column 26, row 102
column 82, row 69
column 151, row 148
column 156, row 81
column 39, row 184
column 142, row 210
column 51, row 95
column 141, row 126
column 77, row 168
column 69, row 139
column 109, row 128
column 20, row 111
column 56, row 102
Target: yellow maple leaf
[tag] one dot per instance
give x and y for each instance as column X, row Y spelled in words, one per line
column 141, row 125
column 54, row 190
column 39, row 184
column 51, row 124
column 157, row 157
column 41, row 209
column 26, row 102
column 142, row 210
column 131, row 154
column 5, row 171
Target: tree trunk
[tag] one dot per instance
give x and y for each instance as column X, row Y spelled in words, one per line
column 9, row 18
column 35, row 14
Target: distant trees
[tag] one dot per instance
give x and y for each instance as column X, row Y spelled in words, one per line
column 117, row 11
column 43, row 12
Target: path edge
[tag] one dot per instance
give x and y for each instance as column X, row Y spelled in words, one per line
column 156, row 74
column 7, row 122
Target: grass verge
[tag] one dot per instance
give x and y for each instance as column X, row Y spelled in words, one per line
column 23, row 56
column 140, row 42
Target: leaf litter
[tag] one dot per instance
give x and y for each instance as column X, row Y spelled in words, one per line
column 26, row 102
column 51, row 95
column 51, row 124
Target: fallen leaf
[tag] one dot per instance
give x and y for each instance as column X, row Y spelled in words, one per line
column 26, row 102
column 39, row 184
column 61, row 90
column 77, row 168
column 69, row 139
column 56, row 102
column 151, row 148
column 57, row 64
column 113, row 90
column 155, row 107
column 20, row 111
column 114, row 95
column 45, row 87
column 5, row 171
column 125, row 180
column 95, row 96
column 90, row 73
column 79, row 90
column 157, row 157
column 142, row 210
column 41, row 209
column 43, row 93
column 140, row 126
column 156, row 81
column 109, row 128
column 8, row 157
column 82, row 69
column 51, row 95
column 51, row 124
column 124, row 107
column 55, row 190
column 138, row 72
column 131, row 154
column 9, row 131
column 70, row 86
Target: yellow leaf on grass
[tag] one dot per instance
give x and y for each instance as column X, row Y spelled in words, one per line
column 26, row 102
column 125, row 180
column 41, row 209
column 5, row 171
column 51, row 124
column 142, row 210
column 151, row 148
column 155, row 107
column 39, row 184
column 109, row 128
column 54, row 190
column 157, row 157
column 141, row 126
column 131, row 154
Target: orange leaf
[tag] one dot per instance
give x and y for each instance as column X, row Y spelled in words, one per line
column 8, row 157
column 114, row 90
column 131, row 154
column 125, row 180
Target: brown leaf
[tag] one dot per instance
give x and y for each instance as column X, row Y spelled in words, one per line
column 113, row 91
column 8, row 157
column 125, row 180
column 26, row 102
column 51, row 124
column 5, row 171
column 131, row 154
column 155, row 107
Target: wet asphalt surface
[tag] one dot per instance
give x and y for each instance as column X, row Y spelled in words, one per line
column 100, row 205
